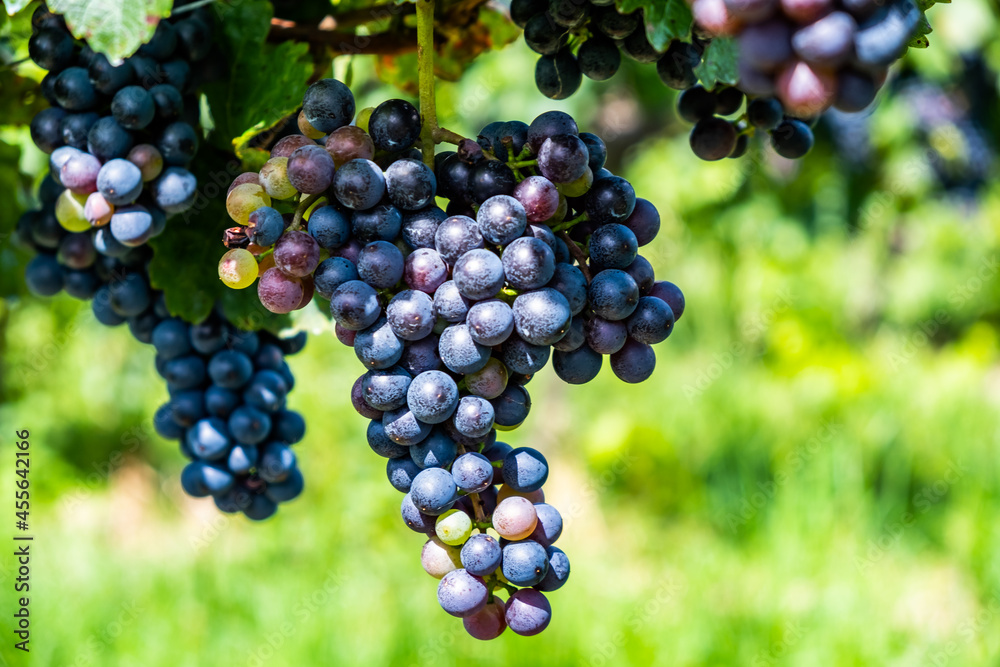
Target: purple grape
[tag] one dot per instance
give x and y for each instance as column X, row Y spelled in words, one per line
column 411, row 184
column 425, row 270
column 539, row 197
column 672, row 294
column 310, row 169
column 479, row 274
column 528, row 263
column 490, row 322
column 462, row 594
column 359, row 184
column 380, row 264
column 411, row 315
column 828, row 42
column 644, row 221
column 296, row 254
column 766, row 46
column 449, row 304
column 278, row 292
column 542, row 317
column 563, row 158
column 456, row 236
column 355, row 305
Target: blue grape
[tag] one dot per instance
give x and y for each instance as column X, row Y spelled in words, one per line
column 421, row 356
column 574, row 338
column 133, row 107
column 175, row 190
column 478, row 274
column 377, row 346
column 511, row 407
column 613, row 294
column 260, row 507
column 449, row 304
column 330, row 227
column 355, row 305
column 328, row 105
column 462, row 594
column 419, row 226
column 610, row 200
column 528, row 263
column 634, row 363
column 523, row 357
column 436, row 451
column 432, row 396
column 119, row 182
column 542, row 317
column 200, row 479
column 490, row 322
column 651, row 322
column 168, row 101
column 403, row 427
column 433, row 491
column 74, row 91
column 473, row 417
column 242, row 459
column 456, row 236
column 382, row 444
column 108, row 140
column 411, row 184
column 380, row 264
column 277, row 460
column 132, row 225
column 525, row 563
column 359, row 184
column 289, row 489
column 603, row 336
column 501, row 219
column 472, row 473
column 230, row 369
column 670, row 293
column 558, row 570
column 481, row 555
column 394, row 125
column 414, row 519
column 209, row 439
column 332, row 273
column 178, row 143
column 401, row 471
column 386, row 389
column 249, row 426
column 379, row 223
column 525, row 469
column 549, row 526
column 459, row 350
column 267, row 391
column 44, row 275
column 577, row 367
column 187, row 407
column 221, row 402
column 411, row 315
column 564, row 158
column 165, row 424
column 613, row 246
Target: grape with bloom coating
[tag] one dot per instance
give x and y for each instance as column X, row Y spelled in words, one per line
column 438, row 559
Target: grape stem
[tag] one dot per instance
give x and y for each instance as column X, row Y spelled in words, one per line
column 578, row 255
column 570, row 224
column 425, row 77
column 300, row 211
column 445, row 136
column 522, row 164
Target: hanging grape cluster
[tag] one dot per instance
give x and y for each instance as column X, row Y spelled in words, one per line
column 119, row 137
column 452, row 311
column 797, row 58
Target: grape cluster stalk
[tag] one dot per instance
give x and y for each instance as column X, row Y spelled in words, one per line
column 119, row 139
column 453, row 310
column 797, row 58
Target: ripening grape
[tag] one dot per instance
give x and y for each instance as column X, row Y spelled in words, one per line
column 244, row 200
column 238, row 268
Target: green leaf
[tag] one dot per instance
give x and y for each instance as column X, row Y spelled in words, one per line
column 116, row 28
column 719, row 64
column 14, row 6
column 919, row 40
column 666, row 20
column 265, row 82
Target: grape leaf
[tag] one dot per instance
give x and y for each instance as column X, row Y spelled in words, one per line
column 116, row 28
column 666, row 20
column 719, row 64
column 14, row 6
column 265, row 82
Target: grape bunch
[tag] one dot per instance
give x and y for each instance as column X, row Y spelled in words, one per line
column 577, row 38
column 120, row 136
column 453, row 310
column 227, row 386
column 797, row 58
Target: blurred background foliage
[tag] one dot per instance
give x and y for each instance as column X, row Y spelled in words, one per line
column 810, row 477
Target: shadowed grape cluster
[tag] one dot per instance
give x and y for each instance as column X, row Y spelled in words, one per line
column 797, row 58
column 227, row 386
column 119, row 137
column 452, row 311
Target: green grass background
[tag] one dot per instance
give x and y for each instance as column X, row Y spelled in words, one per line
column 809, row 478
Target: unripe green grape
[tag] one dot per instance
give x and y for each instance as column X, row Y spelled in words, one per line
column 363, row 117
column 69, row 211
column 306, row 128
column 244, row 200
column 579, row 187
column 238, row 268
column 454, row 527
column 274, row 178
